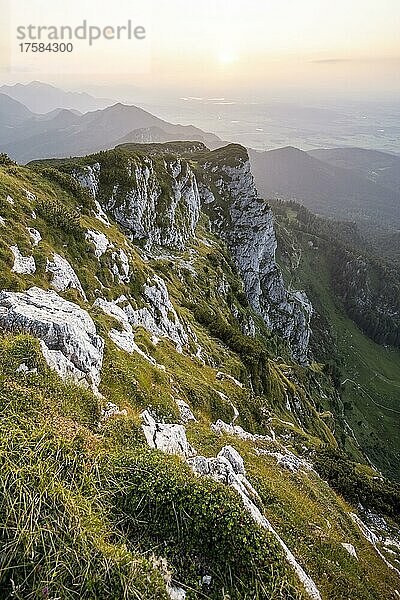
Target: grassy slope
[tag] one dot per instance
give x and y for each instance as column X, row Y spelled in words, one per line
column 104, row 505
column 371, row 393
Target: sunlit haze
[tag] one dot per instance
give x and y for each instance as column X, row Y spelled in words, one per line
column 244, row 48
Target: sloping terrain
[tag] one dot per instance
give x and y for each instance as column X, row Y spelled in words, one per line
column 164, row 425
column 380, row 167
column 26, row 136
column 327, row 189
column 346, row 288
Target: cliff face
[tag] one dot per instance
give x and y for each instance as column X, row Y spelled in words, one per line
column 159, row 203
column 245, row 223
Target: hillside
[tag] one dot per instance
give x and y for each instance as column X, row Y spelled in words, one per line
column 26, row 136
column 351, row 297
column 43, row 98
column 327, row 189
column 380, row 167
column 167, row 431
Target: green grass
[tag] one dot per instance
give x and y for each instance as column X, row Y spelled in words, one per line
column 90, row 512
column 370, row 395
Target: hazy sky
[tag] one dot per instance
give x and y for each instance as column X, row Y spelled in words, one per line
column 239, row 47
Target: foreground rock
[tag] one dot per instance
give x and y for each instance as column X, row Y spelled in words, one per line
column 167, row 437
column 67, row 333
column 226, row 468
column 23, row 265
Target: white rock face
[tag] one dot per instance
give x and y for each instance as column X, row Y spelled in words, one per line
column 68, row 335
column 88, row 178
column 2, row 221
column 101, row 215
column 159, row 318
column 125, row 340
column 185, row 412
column 372, row 539
column 23, row 265
column 35, row 235
column 160, row 207
column 10, row 200
column 350, row 549
column 246, row 225
column 176, row 593
column 99, row 240
column 64, row 277
column 231, row 454
column 227, row 468
column 170, row 438
column 288, row 460
column 230, row 429
column 121, row 266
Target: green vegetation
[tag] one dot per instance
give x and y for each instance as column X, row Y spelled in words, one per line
column 357, row 486
column 367, row 375
column 88, row 511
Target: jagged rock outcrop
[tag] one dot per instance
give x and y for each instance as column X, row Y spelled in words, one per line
column 35, row 236
column 158, row 202
column 67, row 333
column 99, row 240
column 159, row 317
column 245, row 222
column 23, row 265
column 125, row 339
column 88, row 178
column 167, row 437
column 63, row 275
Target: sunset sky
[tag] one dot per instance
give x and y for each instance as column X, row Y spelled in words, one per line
column 220, row 46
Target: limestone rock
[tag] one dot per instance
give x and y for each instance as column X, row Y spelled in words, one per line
column 234, row 458
column 185, row 411
column 121, row 266
column 125, row 340
column 88, row 178
column 35, row 235
column 23, row 265
column 68, row 335
column 170, row 438
column 246, row 224
column 159, row 317
column 350, row 549
column 64, row 277
column 161, row 205
column 99, row 240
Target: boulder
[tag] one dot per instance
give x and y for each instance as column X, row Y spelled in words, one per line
column 68, row 335
column 64, row 277
column 23, row 265
column 167, row 437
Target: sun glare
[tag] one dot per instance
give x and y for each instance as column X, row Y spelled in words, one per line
column 227, row 56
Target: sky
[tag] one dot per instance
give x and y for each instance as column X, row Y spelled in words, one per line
column 240, row 48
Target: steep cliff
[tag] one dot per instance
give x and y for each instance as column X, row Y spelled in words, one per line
column 245, row 223
column 158, row 200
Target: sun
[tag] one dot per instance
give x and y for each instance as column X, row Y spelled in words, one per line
column 227, row 56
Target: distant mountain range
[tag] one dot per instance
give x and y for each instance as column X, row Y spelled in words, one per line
column 366, row 190
column 379, row 167
column 40, row 121
column 26, row 136
column 42, row 98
